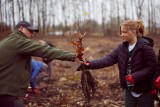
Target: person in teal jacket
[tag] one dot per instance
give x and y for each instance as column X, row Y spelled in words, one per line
column 15, row 62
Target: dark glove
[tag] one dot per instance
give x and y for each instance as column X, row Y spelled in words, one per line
column 157, row 83
column 129, row 78
column 84, row 65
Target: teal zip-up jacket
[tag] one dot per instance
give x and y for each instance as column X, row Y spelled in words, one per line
column 15, row 61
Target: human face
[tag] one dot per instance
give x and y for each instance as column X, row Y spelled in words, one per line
column 28, row 33
column 128, row 35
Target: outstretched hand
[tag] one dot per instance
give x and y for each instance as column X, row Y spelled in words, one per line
column 79, row 58
column 84, row 65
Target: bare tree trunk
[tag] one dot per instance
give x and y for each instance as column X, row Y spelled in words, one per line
column 38, row 11
column 64, row 13
column 52, row 17
column 5, row 11
column 118, row 16
column 89, row 10
column 44, row 16
column 1, row 11
column 13, row 15
column 30, row 11
column 132, row 6
column 139, row 7
column 125, row 9
column 149, row 17
column 111, row 13
column 154, row 17
column 10, row 19
column 152, row 20
column 103, row 18
column 77, row 17
column 21, row 10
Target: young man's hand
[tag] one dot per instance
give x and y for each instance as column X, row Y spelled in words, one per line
column 79, row 58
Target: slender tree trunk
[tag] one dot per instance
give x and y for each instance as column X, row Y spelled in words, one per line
column 139, row 7
column 118, row 16
column 6, row 12
column 149, row 16
column 13, row 15
column 22, row 9
column 132, row 6
column 44, row 15
column 64, row 13
column 54, row 3
column 30, row 11
column 38, row 11
column 103, row 18
column 125, row 9
column 152, row 17
column 1, row 11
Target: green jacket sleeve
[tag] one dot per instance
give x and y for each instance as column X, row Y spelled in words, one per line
column 30, row 47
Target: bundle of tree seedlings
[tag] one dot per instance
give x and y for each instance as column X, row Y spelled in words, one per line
column 88, row 83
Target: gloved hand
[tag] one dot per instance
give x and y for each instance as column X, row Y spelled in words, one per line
column 157, row 83
column 155, row 95
column 154, row 92
column 84, row 65
column 35, row 91
column 129, row 78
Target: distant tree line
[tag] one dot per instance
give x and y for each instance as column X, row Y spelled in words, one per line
column 97, row 17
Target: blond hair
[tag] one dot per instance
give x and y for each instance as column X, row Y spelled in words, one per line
column 137, row 25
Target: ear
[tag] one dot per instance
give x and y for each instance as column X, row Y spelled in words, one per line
column 20, row 28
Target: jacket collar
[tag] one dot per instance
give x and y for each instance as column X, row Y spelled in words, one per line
column 19, row 32
column 141, row 41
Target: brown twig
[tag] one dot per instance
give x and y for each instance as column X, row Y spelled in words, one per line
column 78, row 44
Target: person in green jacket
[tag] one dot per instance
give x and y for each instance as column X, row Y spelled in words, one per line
column 15, row 62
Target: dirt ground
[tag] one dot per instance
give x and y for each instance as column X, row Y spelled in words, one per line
column 64, row 88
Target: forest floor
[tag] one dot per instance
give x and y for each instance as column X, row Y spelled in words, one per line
column 64, row 87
